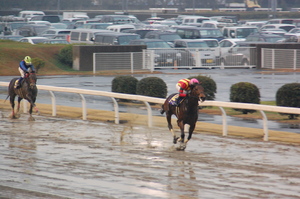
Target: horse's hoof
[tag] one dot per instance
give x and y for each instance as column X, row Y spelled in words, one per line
column 31, row 119
column 175, row 140
column 13, row 117
column 181, row 147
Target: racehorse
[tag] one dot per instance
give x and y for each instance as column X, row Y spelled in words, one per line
column 27, row 90
column 186, row 113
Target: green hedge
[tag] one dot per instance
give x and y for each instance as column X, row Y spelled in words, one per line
column 152, row 86
column 245, row 92
column 289, row 95
column 124, row 84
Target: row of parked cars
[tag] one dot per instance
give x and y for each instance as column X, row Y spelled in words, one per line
column 187, row 44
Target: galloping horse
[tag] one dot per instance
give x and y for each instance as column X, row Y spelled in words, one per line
column 27, row 90
column 186, row 113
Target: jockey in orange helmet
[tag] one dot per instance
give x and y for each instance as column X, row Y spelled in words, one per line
column 184, row 86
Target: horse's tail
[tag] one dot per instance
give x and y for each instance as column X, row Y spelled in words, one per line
column 6, row 98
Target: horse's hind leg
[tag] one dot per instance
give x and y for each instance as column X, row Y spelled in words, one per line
column 171, row 127
column 19, row 104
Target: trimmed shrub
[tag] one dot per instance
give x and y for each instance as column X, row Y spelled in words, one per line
column 209, row 85
column 245, row 92
column 289, row 95
column 152, row 86
column 38, row 64
column 124, row 84
column 65, row 55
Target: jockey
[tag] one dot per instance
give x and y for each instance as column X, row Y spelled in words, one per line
column 24, row 67
column 184, row 86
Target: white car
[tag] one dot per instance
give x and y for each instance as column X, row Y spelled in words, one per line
column 33, row 40
column 227, row 44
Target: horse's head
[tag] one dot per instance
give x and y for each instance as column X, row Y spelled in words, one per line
column 31, row 79
column 198, row 91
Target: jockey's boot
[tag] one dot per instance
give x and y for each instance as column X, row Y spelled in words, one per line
column 19, row 83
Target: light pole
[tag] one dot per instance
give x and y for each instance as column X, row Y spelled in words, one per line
column 58, row 6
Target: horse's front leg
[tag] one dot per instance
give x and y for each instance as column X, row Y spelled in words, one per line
column 30, row 113
column 191, row 130
column 12, row 104
column 184, row 129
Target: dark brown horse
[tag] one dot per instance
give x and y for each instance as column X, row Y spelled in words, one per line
column 186, row 113
column 27, row 90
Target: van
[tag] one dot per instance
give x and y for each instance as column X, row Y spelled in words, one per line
column 199, row 33
column 194, row 20
column 27, row 14
column 121, row 27
column 114, row 38
column 239, row 31
column 84, row 35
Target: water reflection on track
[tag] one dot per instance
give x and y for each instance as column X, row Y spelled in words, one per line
column 59, row 158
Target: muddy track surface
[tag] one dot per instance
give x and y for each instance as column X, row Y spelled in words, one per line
column 59, row 158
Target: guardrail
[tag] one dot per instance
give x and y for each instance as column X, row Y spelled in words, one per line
column 147, row 100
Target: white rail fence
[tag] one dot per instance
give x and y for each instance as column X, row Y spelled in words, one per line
column 147, row 100
column 280, row 58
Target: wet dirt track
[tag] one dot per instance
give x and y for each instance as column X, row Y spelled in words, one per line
column 59, row 158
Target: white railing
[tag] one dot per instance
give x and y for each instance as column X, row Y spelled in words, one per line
column 280, row 58
column 147, row 100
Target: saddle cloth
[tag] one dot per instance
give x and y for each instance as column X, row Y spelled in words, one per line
column 173, row 100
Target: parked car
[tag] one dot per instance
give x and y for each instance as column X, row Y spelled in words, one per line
column 120, row 27
column 56, row 41
column 33, row 40
column 238, row 31
column 51, row 33
column 11, row 37
column 141, row 32
column 31, row 30
column 261, row 37
column 238, row 55
column 85, row 35
column 114, row 38
column 165, row 55
column 102, row 26
column 286, row 27
column 194, row 20
column 50, row 18
column 189, row 32
column 226, row 45
column 168, row 37
column 199, row 49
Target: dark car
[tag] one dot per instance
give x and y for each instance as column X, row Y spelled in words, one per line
column 169, row 37
column 165, row 55
column 260, row 37
column 50, row 18
column 141, row 32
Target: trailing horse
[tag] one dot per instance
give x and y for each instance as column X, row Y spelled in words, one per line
column 27, row 90
column 186, row 113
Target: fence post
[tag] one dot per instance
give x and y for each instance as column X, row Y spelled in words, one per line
column 273, row 58
column 295, row 59
column 53, row 100
column 265, row 121
column 94, row 63
column 83, row 101
column 149, row 113
column 116, row 107
column 262, row 57
column 224, row 119
column 131, row 62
